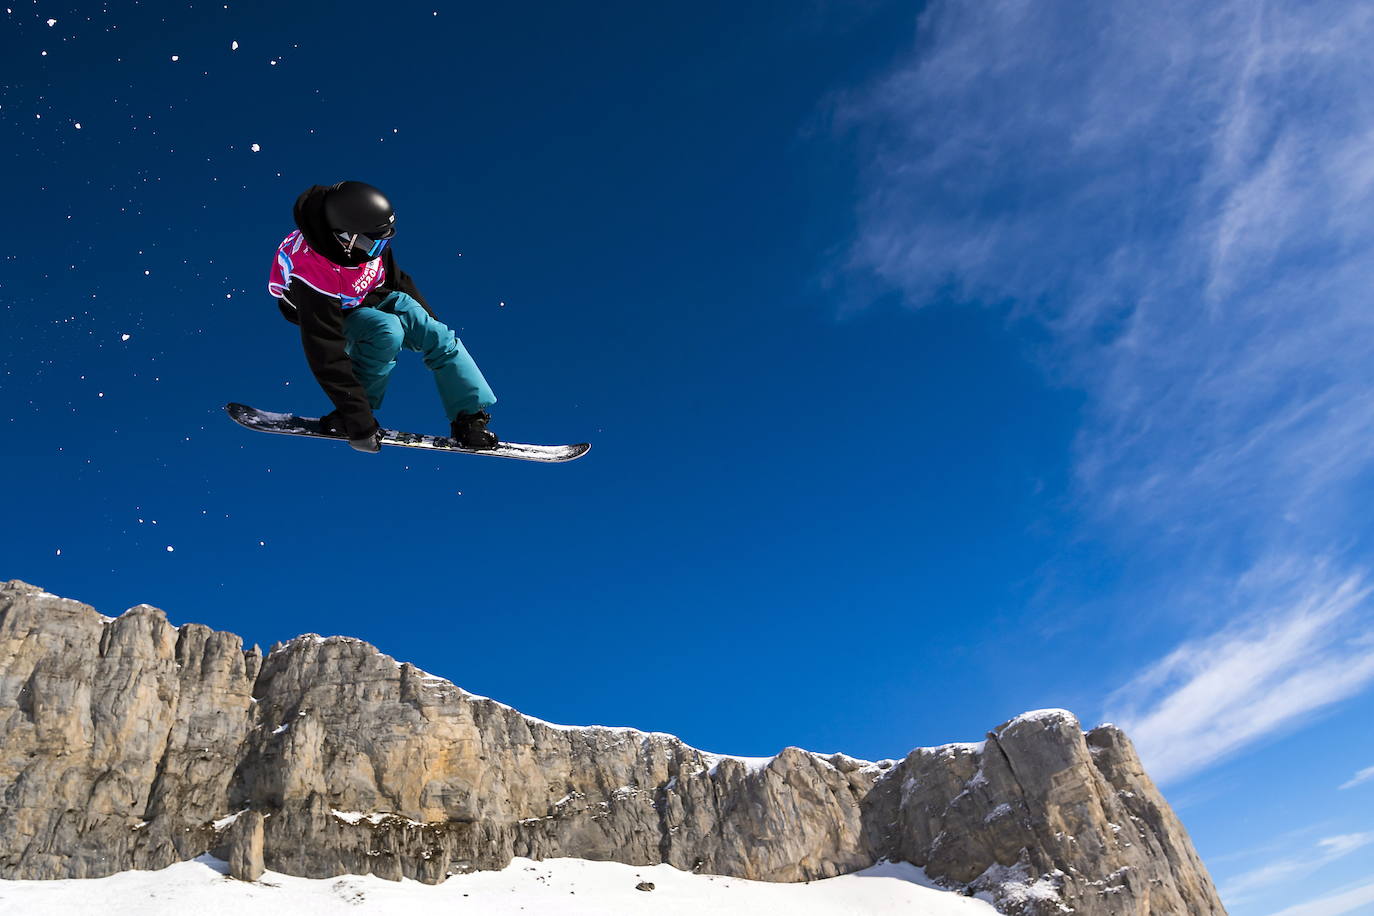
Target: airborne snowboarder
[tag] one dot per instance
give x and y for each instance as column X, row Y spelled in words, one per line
column 336, row 277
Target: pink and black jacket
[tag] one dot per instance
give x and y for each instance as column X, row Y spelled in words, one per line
column 314, row 282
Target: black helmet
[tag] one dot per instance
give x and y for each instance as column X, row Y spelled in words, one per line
column 352, row 206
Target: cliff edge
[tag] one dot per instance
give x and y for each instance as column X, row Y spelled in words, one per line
column 130, row 743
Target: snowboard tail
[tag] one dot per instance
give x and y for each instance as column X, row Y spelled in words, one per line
column 291, row 425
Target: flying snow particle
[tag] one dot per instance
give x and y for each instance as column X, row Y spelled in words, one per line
column 59, row 550
column 233, row 46
column 175, row 57
column 77, row 125
column 124, row 336
column 52, row 22
column 255, row 148
column 170, row 548
column 147, row 273
column 503, row 305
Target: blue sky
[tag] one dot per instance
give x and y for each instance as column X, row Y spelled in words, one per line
column 941, row 361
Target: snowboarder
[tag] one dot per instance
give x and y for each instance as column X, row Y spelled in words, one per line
column 336, row 277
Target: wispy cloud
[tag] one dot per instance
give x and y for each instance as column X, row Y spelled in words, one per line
column 1235, row 890
column 1346, row 843
column 1359, row 778
column 1182, row 195
column 1339, row 904
column 1267, row 671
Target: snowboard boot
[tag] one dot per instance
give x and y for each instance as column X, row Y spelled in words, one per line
column 331, row 425
column 469, row 430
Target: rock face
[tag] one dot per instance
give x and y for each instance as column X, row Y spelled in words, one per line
column 130, row 743
column 246, row 846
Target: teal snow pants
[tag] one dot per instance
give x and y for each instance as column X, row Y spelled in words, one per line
column 376, row 335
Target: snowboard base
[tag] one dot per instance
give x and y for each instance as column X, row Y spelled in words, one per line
column 291, row 425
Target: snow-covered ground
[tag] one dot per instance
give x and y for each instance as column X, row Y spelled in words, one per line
column 553, row 887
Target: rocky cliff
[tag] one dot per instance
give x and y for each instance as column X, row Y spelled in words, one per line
column 130, row 743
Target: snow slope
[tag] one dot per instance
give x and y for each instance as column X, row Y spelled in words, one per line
column 554, row 887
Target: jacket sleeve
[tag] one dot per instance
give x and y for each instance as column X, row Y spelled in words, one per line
column 322, row 336
column 400, row 281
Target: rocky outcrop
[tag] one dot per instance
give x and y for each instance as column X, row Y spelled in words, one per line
column 1044, row 818
column 130, row 743
column 246, row 846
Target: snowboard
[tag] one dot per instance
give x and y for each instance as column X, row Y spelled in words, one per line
column 291, row 425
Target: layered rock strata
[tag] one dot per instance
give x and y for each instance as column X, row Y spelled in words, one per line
column 130, row 743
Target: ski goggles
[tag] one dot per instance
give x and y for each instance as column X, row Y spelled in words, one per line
column 365, row 244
